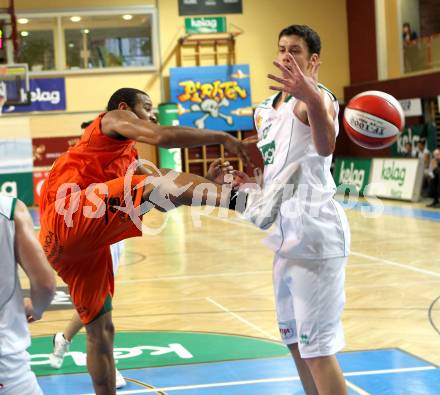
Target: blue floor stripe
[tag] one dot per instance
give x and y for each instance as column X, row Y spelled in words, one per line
column 355, row 364
column 418, row 213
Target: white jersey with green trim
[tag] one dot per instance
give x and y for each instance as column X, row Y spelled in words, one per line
column 14, row 332
column 312, row 224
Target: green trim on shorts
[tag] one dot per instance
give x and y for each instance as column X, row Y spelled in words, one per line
column 14, row 203
column 107, row 307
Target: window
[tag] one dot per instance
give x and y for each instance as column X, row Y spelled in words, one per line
column 36, row 43
column 86, row 40
column 108, row 41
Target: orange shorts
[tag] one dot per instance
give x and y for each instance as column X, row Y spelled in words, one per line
column 80, row 253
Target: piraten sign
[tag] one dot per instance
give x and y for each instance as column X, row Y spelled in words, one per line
column 213, row 97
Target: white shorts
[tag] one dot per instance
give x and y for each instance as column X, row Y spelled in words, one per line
column 16, row 376
column 310, row 298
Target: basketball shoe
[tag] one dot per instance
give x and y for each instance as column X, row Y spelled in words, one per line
column 61, row 347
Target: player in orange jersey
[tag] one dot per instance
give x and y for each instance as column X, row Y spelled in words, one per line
column 85, row 207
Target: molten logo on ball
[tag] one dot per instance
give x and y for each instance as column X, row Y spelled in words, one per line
column 373, row 119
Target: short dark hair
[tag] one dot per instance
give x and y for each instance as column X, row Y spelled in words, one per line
column 422, row 141
column 124, row 95
column 86, row 124
column 311, row 38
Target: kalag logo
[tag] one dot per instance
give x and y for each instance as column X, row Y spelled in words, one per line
column 211, row 23
column 351, row 175
column 38, row 95
column 393, row 173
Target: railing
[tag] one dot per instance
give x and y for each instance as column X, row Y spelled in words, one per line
column 422, row 54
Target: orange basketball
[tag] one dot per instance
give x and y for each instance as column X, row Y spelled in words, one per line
column 373, row 119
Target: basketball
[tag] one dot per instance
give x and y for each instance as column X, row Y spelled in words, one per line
column 373, row 119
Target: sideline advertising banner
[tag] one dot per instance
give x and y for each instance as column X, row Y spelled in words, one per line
column 213, row 97
column 412, row 134
column 396, row 178
column 46, row 150
column 47, row 94
column 412, row 107
column 38, row 180
column 352, row 171
column 18, row 185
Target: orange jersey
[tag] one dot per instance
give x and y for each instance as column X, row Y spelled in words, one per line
column 95, row 158
column 80, row 252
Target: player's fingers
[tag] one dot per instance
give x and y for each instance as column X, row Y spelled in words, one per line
column 217, row 162
column 277, row 88
column 283, row 68
column 277, row 79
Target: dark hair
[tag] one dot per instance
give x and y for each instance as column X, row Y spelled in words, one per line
column 311, row 38
column 85, row 124
column 406, row 24
column 124, row 95
column 422, row 141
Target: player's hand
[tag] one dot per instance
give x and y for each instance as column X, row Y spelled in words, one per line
column 220, row 172
column 240, row 178
column 31, row 315
column 294, row 82
column 238, row 148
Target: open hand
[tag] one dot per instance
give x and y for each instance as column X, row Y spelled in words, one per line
column 294, row 82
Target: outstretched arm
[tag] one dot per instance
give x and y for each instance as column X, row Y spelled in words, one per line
column 32, row 259
column 128, row 125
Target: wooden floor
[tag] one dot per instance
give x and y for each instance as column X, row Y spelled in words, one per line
column 217, row 277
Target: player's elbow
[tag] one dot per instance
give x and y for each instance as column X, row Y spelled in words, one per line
column 326, row 148
column 46, row 285
column 327, row 151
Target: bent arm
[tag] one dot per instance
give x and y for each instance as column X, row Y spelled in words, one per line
column 32, row 259
column 128, row 125
column 321, row 113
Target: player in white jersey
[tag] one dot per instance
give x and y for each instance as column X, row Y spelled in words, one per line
column 18, row 243
column 311, row 240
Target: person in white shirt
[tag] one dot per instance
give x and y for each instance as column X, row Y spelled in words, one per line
column 18, row 243
column 311, row 240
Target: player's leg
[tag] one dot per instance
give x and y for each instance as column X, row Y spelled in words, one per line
column 283, row 286
column 305, row 375
column 62, row 340
column 319, row 300
column 327, row 375
column 100, row 361
column 185, row 189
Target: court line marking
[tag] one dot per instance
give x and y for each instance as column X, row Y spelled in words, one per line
column 268, row 380
column 358, row 254
column 396, row 264
column 356, row 389
column 240, row 318
column 195, row 276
